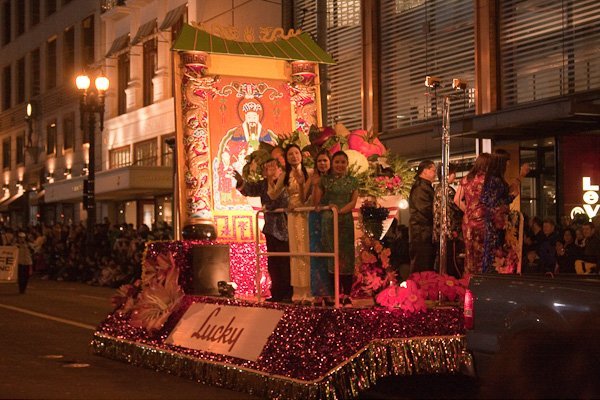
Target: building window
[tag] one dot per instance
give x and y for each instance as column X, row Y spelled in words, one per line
column 150, row 62
column 87, row 42
column 68, row 131
column 123, row 82
column 538, row 188
column 119, row 157
column 69, row 54
column 547, row 49
column 6, row 87
column 6, row 22
column 6, row 151
column 51, row 64
column 34, row 12
column 20, row 20
column 343, row 13
column 145, row 153
column 166, row 154
column 50, row 7
column 420, row 38
column 344, row 43
column 51, row 137
column 21, row 149
column 35, row 72
column 21, row 80
column 407, row 5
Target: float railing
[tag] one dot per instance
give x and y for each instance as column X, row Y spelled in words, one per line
column 335, row 254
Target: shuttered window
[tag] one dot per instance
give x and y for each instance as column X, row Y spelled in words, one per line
column 420, row 38
column 344, row 43
column 548, row 48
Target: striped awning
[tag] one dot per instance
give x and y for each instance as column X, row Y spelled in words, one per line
column 145, row 30
column 118, row 44
column 172, row 17
column 297, row 48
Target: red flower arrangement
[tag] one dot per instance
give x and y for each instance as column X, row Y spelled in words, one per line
column 410, row 296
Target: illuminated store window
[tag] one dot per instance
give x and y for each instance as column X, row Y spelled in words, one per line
column 538, row 188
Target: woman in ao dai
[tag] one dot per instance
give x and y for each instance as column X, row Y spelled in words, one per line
column 340, row 190
column 294, row 180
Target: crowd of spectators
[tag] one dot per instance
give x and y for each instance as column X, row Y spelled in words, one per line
column 64, row 252
column 571, row 247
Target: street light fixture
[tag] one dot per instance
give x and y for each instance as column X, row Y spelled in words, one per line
column 91, row 103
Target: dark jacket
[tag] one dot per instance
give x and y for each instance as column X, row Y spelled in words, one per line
column 275, row 223
column 420, row 204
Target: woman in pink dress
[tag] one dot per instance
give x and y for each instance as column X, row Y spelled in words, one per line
column 468, row 198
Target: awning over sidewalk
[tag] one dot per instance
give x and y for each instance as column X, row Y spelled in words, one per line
column 145, row 30
column 172, row 17
column 297, row 48
column 9, row 201
column 118, row 45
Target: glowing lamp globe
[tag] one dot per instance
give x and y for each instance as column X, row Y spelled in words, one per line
column 82, row 82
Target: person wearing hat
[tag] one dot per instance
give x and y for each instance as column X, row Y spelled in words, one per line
column 275, row 228
column 24, row 260
column 420, row 224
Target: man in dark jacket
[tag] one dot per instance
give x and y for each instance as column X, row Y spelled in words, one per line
column 421, row 218
column 590, row 261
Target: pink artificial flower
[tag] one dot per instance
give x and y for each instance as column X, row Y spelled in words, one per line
column 428, row 282
column 411, row 298
column 449, row 287
column 388, row 297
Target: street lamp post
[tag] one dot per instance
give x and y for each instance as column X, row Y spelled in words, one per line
column 91, row 103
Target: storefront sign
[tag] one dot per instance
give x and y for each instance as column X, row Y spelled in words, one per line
column 233, row 331
column 8, row 263
column 590, row 205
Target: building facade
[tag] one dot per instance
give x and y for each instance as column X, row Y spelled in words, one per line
column 532, row 74
column 45, row 45
column 531, row 70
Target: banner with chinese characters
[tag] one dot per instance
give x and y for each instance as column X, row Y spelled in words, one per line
column 8, row 264
column 233, row 331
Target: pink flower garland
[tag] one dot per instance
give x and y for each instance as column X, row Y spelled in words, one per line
column 422, row 286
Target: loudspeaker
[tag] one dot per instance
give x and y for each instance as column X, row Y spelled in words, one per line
column 210, row 264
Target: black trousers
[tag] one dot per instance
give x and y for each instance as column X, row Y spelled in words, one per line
column 421, row 256
column 346, row 281
column 279, row 268
column 23, row 277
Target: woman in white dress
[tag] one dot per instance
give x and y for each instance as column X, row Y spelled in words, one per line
column 294, row 181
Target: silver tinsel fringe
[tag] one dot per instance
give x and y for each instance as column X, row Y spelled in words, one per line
column 380, row 358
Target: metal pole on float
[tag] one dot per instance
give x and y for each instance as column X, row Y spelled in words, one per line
column 444, row 183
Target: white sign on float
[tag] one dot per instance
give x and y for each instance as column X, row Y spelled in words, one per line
column 590, row 200
column 8, row 263
column 232, row 331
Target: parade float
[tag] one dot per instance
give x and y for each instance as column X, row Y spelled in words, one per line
column 234, row 99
